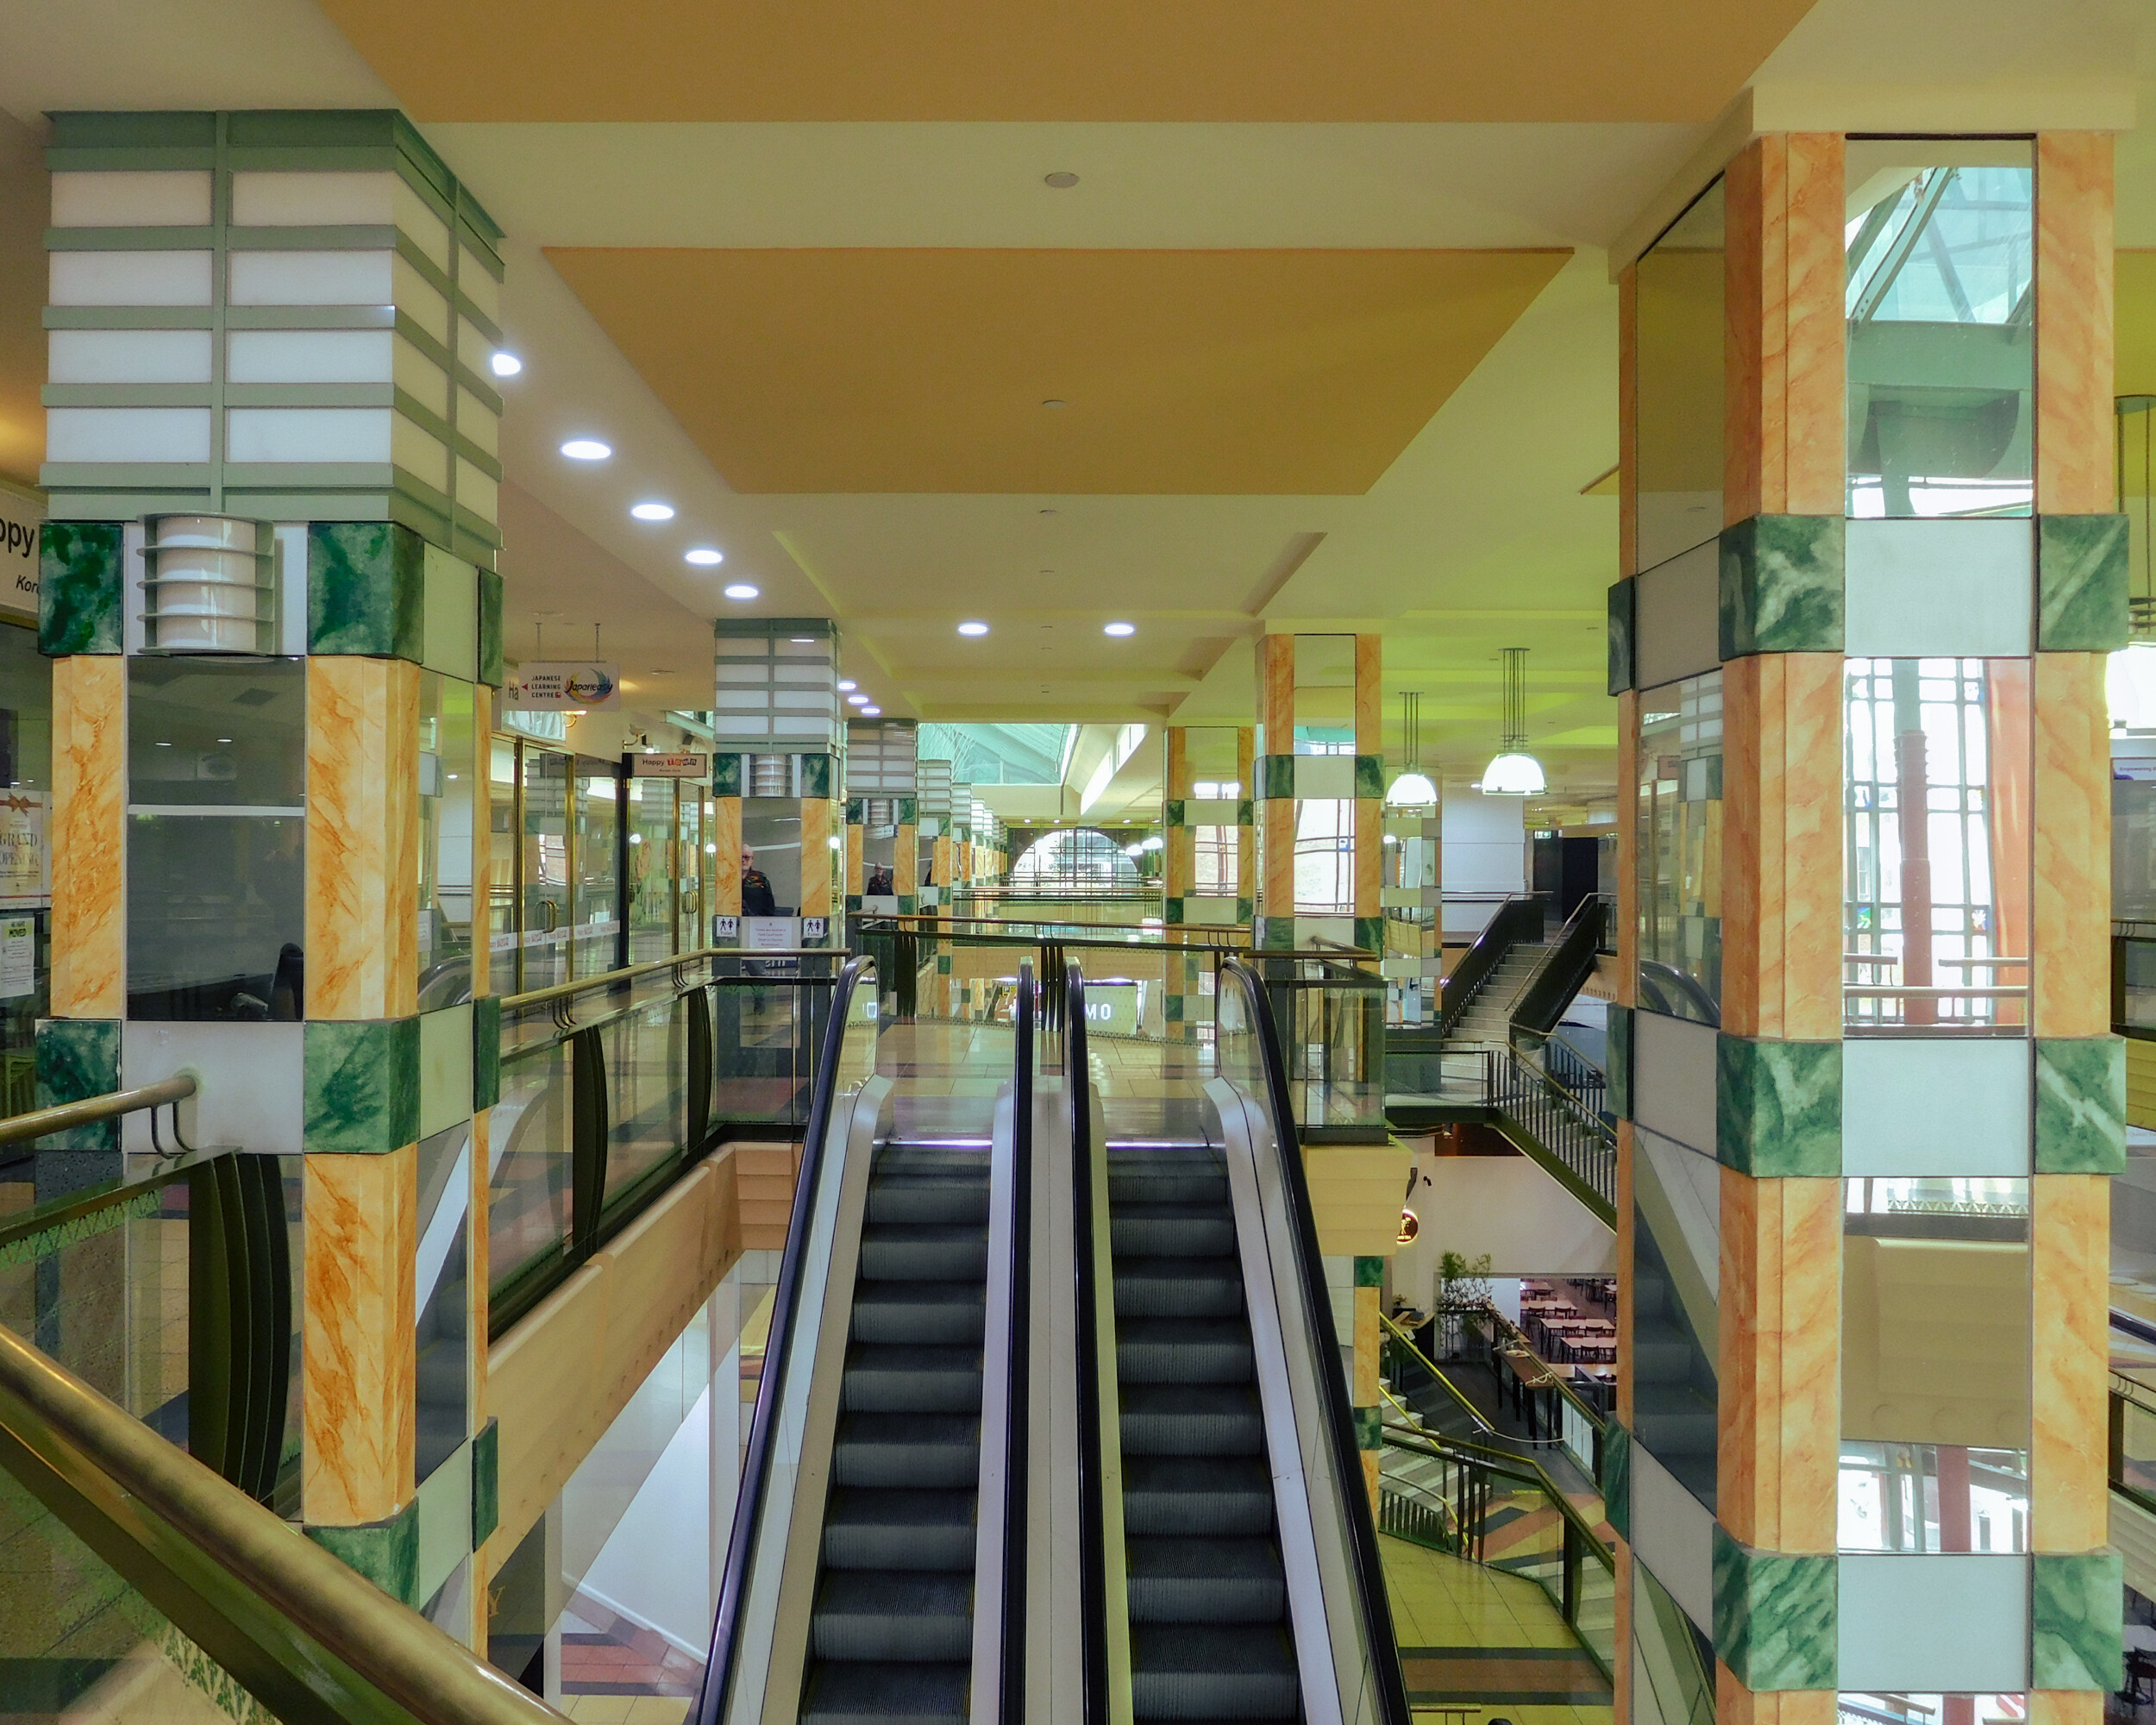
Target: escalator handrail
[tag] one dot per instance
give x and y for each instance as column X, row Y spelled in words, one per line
column 1016, row 1409
column 1335, row 1415
column 1093, row 1557
column 718, row 1670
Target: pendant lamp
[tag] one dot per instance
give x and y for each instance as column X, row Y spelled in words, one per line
column 1513, row 772
column 1412, row 788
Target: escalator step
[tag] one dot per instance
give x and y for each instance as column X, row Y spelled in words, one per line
column 910, row 1450
column 1173, row 1230
column 910, row 1378
column 962, row 1162
column 919, row 1199
column 1166, row 1419
column 919, row 1694
column 899, row 1530
column 1181, row 1350
column 944, row 1312
column 1196, row 1495
column 1185, row 1580
column 1178, row 1288
column 929, row 1252
column 901, row 1615
column 1207, row 1671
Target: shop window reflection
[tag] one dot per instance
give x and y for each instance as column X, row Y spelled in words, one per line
column 1937, row 768
column 1680, row 850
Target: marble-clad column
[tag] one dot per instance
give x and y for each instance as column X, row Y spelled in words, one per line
column 1275, row 790
column 1369, row 793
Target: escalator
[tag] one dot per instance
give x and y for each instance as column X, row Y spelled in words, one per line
column 1053, row 1424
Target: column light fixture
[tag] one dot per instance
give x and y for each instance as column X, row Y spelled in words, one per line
column 1412, row 788
column 1513, row 772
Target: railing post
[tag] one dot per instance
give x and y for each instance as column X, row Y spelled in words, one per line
column 587, row 1141
column 701, row 1070
column 1571, row 1581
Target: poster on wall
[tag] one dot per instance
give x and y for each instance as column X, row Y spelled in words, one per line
column 23, row 881
column 563, row 685
column 18, row 957
column 670, row 766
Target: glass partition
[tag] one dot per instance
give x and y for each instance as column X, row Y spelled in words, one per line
column 1678, row 420
column 1680, row 848
column 1938, row 767
column 1935, row 1365
column 448, row 779
column 543, row 804
column 1941, row 353
column 595, row 868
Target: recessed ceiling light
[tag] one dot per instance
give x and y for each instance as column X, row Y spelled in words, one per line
column 973, row 629
column 506, row 364
column 1055, row 401
column 1062, row 179
column 802, row 640
column 586, row 450
column 1120, row 628
column 741, row 590
column 857, row 700
column 652, row 512
column 705, row 554
column 846, row 685
column 872, row 713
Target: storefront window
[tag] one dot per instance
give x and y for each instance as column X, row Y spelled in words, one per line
column 448, row 781
column 1938, row 763
column 26, row 887
column 1680, row 815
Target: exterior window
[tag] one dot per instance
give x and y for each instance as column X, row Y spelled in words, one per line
column 1324, row 857
column 1217, row 861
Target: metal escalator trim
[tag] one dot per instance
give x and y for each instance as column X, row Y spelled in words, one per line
column 779, row 1366
column 1335, row 1414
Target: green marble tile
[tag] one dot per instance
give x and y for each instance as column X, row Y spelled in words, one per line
column 2077, row 1609
column 1172, row 1007
column 906, row 906
column 1616, row 1480
column 486, row 1482
column 852, row 902
column 856, row 811
column 364, row 589
column 1173, row 912
column 1369, row 776
column 77, row 1059
column 486, row 1052
column 1782, row 585
column 1245, row 910
column 1618, row 1053
column 2082, row 579
column 1276, row 933
column 385, row 1553
column 1369, row 933
column 81, row 570
column 725, row 775
column 362, row 1085
column 909, row 811
column 1174, row 811
column 1370, row 1429
column 1246, row 812
column 1276, row 776
column 2081, row 1105
column 1370, row 1272
column 491, row 628
column 1624, row 622
column 1774, row 1616
column 816, row 777
column 1777, row 1107
column 942, row 964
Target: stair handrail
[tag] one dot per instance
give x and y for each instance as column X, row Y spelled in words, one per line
column 1508, row 927
column 756, row 1474
column 1335, row 1414
column 1524, row 1469
column 1564, row 1389
column 1556, row 977
column 1017, row 1407
column 1406, row 1338
column 1093, row 1585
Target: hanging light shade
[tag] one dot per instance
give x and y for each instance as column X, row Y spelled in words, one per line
column 1411, row 788
column 1514, row 772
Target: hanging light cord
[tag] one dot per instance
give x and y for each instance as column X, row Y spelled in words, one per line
column 1515, row 718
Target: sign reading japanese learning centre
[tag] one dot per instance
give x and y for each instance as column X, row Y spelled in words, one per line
column 563, row 685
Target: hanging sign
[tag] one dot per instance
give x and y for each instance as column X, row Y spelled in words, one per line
column 19, row 519
column 670, row 766
column 563, row 685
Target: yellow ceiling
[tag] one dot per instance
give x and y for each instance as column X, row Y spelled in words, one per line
column 1112, row 60
column 1221, row 373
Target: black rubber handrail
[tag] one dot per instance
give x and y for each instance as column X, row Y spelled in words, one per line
column 1337, row 1419
column 1093, row 1583
column 1567, row 965
column 1017, row 1413
column 1514, row 921
column 755, row 1475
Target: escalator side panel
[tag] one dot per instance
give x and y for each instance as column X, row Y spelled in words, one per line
column 773, row 1653
column 1054, row 1676
column 1115, row 1572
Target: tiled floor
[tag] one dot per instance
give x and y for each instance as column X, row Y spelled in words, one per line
column 1478, row 1646
column 608, row 1659
column 626, row 1710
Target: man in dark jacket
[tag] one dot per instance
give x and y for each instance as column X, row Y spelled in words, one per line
column 755, row 888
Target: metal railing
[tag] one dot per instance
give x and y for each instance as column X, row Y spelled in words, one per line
column 610, row 1092
column 1568, row 963
column 1516, row 920
column 1562, row 1129
column 94, row 1110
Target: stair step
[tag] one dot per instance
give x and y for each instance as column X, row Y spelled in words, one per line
column 1172, row 1230
column 928, row 1199
column 1168, row 1420
column 908, row 1450
column 919, row 1694
column 949, row 1311
column 1192, row 1350
column 1187, row 1580
column 1178, row 1288
column 899, row 1530
column 900, row 1616
column 1196, row 1495
column 1213, row 1671
column 911, row 1378
column 910, row 1253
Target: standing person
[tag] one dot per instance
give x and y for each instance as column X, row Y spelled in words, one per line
column 755, row 888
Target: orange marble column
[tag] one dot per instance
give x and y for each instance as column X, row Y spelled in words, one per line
column 2070, row 1277
column 362, row 868
column 2075, row 330
column 2070, row 963
column 816, row 857
column 1783, row 366
column 358, row 1349
column 726, row 877
column 1246, row 835
column 89, row 837
column 1276, row 712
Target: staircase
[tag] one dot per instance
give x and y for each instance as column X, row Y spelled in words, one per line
column 1209, row 1631
column 891, row 1636
column 1488, row 1017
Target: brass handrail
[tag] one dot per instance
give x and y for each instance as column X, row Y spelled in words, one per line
column 91, row 1110
column 1513, row 1466
column 265, row 1602
column 613, row 979
column 1407, row 1341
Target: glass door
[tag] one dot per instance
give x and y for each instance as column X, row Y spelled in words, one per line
column 596, row 920
column 652, row 871
column 542, row 941
column 502, row 923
